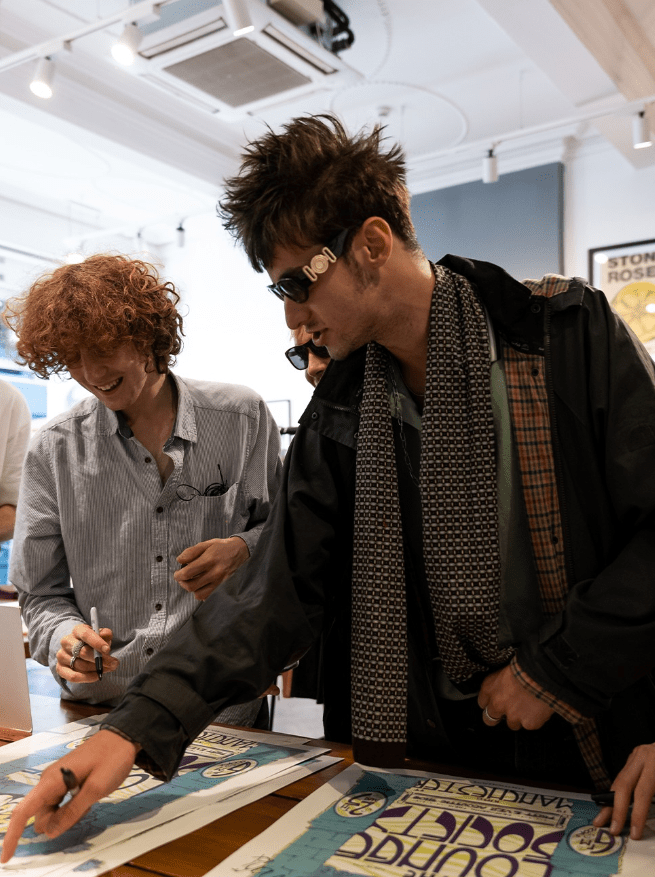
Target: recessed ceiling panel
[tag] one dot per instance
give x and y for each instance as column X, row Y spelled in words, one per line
column 238, row 73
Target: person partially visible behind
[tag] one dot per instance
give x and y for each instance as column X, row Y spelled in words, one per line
column 15, row 426
column 147, row 495
column 306, row 355
column 305, row 679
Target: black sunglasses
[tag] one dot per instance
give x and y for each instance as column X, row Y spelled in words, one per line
column 298, row 356
column 296, row 286
column 187, row 492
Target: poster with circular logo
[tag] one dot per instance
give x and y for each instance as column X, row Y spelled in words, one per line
column 626, row 274
column 595, row 842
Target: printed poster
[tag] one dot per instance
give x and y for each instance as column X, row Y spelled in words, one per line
column 125, row 851
column 626, row 274
column 220, row 763
column 413, row 824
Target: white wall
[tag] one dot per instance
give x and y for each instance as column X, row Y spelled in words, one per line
column 606, row 201
column 235, row 328
column 36, row 229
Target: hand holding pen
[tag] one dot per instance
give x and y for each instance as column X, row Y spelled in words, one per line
column 70, row 786
column 85, row 653
column 97, row 656
column 70, row 781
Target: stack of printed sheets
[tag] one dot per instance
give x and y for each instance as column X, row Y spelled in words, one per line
column 222, row 770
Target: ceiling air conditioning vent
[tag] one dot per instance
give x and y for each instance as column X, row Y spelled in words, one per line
column 261, row 75
column 192, row 52
column 184, row 38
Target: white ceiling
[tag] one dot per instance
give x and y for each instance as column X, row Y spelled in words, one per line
column 450, row 78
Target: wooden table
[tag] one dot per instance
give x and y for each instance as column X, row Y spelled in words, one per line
column 196, row 853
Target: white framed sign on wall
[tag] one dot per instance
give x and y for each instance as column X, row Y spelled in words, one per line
column 626, row 274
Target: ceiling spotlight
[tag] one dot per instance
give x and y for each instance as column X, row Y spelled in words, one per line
column 490, row 168
column 640, row 131
column 237, row 17
column 41, row 84
column 124, row 51
column 179, row 231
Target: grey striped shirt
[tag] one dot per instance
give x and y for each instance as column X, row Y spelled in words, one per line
column 92, row 513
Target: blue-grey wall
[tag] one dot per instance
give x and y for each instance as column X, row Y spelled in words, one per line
column 516, row 222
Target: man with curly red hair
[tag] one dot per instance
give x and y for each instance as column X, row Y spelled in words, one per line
column 147, row 495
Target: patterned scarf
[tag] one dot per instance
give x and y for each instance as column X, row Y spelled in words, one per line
column 460, row 523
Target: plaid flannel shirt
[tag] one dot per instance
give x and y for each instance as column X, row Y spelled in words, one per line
column 528, row 402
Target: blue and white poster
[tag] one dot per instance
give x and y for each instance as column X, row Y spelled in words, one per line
column 411, row 824
column 220, row 764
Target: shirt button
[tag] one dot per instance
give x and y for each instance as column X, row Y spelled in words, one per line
column 535, row 308
column 149, row 651
column 159, row 558
column 157, row 606
column 314, row 415
column 535, row 372
column 148, row 460
column 160, row 509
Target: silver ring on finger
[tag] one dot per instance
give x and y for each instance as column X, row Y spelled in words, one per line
column 486, row 714
column 77, row 648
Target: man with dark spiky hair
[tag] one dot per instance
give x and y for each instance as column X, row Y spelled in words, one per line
column 467, row 513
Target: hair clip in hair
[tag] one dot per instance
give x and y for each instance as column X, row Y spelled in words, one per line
column 319, row 264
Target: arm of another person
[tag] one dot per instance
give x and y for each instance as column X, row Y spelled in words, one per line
column 7, row 521
column 208, row 564
column 39, row 571
column 231, row 649
column 18, row 426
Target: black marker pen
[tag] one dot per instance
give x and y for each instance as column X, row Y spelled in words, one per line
column 603, row 799
column 96, row 654
column 70, row 781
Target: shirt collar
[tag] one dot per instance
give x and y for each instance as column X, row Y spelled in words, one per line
column 110, row 422
column 185, row 422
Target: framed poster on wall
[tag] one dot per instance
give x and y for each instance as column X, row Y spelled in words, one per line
column 626, row 274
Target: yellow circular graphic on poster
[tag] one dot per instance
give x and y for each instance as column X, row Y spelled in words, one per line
column 230, row 768
column 635, row 302
column 360, row 804
column 591, row 841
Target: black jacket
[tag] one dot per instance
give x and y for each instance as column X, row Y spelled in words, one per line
column 597, row 656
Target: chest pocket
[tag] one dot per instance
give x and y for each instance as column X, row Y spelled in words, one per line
column 208, row 517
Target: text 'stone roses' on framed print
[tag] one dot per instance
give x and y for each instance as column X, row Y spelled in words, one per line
column 626, row 274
